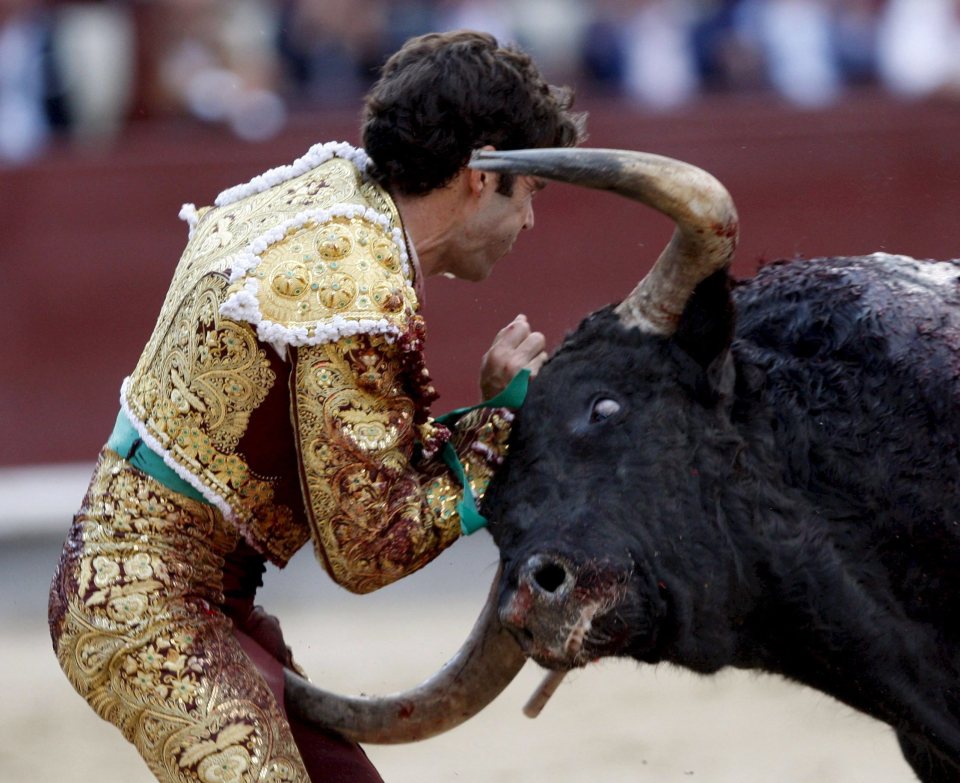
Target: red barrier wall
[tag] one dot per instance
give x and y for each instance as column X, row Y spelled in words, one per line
column 90, row 240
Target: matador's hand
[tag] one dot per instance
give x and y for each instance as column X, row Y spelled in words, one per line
column 514, row 348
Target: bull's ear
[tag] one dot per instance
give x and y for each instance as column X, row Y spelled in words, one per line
column 706, row 327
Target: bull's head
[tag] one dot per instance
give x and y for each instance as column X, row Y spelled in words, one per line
column 563, row 604
column 592, row 507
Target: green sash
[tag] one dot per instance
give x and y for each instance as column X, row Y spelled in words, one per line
column 471, row 520
column 126, row 441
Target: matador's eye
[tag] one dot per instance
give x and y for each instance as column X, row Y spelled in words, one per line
column 604, row 408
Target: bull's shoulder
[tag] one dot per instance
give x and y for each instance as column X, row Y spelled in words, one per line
column 839, row 336
column 841, row 357
column 873, row 274
column 809, row 307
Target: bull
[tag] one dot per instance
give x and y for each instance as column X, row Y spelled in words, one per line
column 759, row 474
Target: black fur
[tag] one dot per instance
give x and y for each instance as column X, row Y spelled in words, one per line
column 778, row 488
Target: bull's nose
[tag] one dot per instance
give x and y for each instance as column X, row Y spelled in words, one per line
column 547, row 576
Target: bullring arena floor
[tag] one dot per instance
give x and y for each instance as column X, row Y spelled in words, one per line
column 612, row 722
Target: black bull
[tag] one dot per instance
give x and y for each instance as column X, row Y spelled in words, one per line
column 785, row 499
column 774, row 487
column 760, row 474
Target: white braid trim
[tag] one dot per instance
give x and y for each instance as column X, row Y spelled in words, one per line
column 214, row 498
column 327, row 332
column 247, row 259
column 316, row 155
column 188, row 213
column 244, row 305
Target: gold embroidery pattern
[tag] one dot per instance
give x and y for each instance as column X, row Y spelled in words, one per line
column 374, row 516
column 348, row 268
column 377, row 198
column 221, row 232
column 201, row 376
column 136, row 632
column 196, row 398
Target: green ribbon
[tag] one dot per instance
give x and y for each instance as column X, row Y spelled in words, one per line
column 471, row 520
column 125, row 440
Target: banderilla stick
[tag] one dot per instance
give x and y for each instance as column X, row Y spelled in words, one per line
column 549, row 684
column 538, row 700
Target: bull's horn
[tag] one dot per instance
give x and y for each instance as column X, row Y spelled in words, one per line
column 705, row 217
column 483, row 667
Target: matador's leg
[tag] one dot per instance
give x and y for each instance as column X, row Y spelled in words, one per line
column 137, row 630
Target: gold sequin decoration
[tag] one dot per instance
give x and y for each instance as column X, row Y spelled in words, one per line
column 137, row 634
column 334, row 242
column 345, row 267
column 375, row 517
column 386, row 255
column 389, row 298
column 290, row 280
column 337, row 292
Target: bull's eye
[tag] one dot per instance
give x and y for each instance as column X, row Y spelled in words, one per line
column 604, row 408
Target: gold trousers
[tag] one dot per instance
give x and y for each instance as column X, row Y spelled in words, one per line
column 136, row 624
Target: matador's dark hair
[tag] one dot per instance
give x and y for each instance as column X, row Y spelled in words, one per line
column 444, row 95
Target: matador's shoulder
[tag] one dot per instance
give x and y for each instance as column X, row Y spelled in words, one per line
column 334, row 269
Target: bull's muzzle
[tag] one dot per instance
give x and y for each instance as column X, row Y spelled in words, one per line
column 535, row 611
column 552, row 608
column 560, row 610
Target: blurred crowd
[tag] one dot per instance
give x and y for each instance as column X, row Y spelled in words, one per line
column 86, row 69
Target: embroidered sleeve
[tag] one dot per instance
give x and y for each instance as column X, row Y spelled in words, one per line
column 376, row 511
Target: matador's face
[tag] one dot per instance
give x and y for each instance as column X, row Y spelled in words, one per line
column 492, row 225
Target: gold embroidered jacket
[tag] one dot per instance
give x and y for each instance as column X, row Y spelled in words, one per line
column 285, row 380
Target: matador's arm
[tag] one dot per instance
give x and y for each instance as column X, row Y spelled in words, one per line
column 378, row 508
